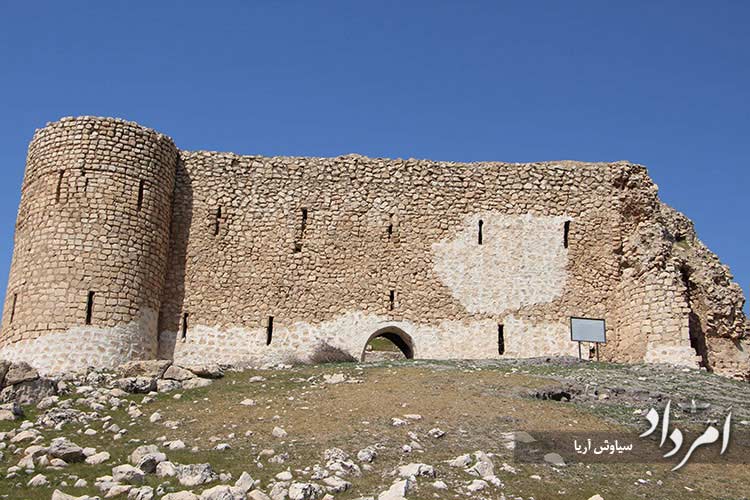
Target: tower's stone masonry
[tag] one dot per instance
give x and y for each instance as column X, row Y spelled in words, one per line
column 125, row 246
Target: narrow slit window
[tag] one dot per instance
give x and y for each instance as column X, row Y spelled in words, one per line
column 390, row 231
column 59, row 186
column 303, row 226
column 500, row 339
column 269, row 330
column 85, row 185
column 184, row 325
column 13, row 308
column 392, row 299
column 141, row 186
column 89, row 308
column 217, row 223
column 566, row 233
column 479, row 234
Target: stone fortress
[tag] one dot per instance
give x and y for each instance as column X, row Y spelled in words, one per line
column 129, row 248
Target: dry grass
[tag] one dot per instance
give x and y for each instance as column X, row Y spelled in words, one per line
column 473, row 405
column 326, row 353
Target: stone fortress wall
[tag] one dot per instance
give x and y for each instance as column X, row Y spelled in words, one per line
column 128, row 248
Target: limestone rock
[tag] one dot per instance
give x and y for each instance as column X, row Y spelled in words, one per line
column 257, row 495
column 38, row 480
column 245, row 482
column 4, row 367
column 166, row 469
column 554, row 459
column 460, row 461
column 195, row 474
column 483, row 466
column 206, row 370
column 98, row 458
column 167, row 385
column 59, row 495
column 223, row 492
column 126, row 473
column 334, row 484
column 367, row 454
column 194, row 383
column 397, row 491
column 180, row 495
column 20, row 372
column 477, row 485
column 142, row 493
column 178, row 373
column 10, row 411
column 29, row 391
column 415, row 470
column 66, row 450
column 147, row 457
column 305, row 491
column 151, row 368
column 136, row 385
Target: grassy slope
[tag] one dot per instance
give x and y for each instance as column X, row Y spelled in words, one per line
column 473, row 402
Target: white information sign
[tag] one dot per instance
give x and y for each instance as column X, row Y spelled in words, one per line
column 587, row 330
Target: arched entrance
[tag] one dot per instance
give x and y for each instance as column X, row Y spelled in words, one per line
column 392, row 335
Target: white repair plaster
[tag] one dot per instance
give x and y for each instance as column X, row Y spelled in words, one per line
column 521, row 262
column 677, row 355
column 82, row 346
column 246, row 347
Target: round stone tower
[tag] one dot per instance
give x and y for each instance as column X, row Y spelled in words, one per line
column 91, row 245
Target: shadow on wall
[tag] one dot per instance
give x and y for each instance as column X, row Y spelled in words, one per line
column 396, row 336
column 171, row 318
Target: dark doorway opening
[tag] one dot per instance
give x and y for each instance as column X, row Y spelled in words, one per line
column 388, row 344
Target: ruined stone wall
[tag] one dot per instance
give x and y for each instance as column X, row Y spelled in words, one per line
column 252, row 261
column 94, row 218
column 373, row 226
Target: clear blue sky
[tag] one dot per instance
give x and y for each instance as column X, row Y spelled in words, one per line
column 663, row 83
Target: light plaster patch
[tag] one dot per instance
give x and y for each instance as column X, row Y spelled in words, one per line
column 83, row 346
column 245, row 348
column 521, row 262
column 674, row 355
column 524, row 339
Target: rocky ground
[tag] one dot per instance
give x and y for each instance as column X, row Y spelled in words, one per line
column 385, row 430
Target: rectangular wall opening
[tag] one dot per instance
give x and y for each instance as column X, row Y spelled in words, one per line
column 392, row 299
column 141, row 186
column 59, row 186
column 89, row 308
column 566, row 232
column 390, row 227
column 479, row 234
column 184, row 326
column 13, row 308
column 303, row 225
column 217, row 222
column 500, row 339
column 269, row 330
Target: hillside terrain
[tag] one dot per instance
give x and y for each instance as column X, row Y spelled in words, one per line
column 387, row 430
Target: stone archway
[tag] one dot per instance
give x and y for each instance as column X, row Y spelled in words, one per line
column 397, row 336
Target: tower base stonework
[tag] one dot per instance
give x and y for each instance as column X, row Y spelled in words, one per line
column 128, row 248
column 81, row 347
